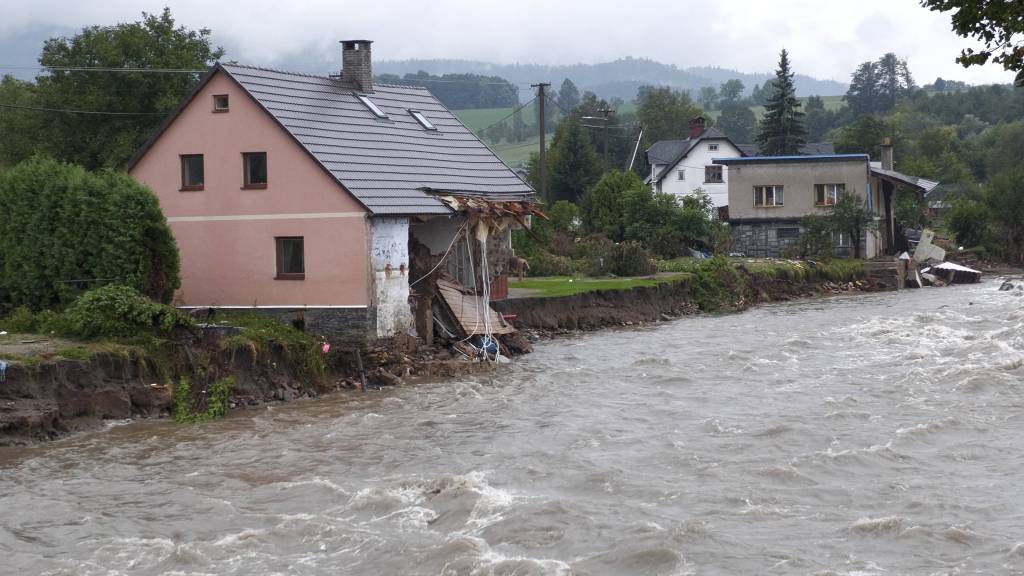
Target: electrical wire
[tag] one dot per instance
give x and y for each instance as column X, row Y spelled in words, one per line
column 455, row 237
column 510, row 114
column 103, row 69
column 93, row 112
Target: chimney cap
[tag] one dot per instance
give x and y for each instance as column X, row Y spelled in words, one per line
column 355, row 41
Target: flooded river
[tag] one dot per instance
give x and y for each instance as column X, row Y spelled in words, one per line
column 877, row 434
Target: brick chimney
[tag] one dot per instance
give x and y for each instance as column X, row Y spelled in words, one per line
column 356, row 69
column 696, row 127
column 887, row 154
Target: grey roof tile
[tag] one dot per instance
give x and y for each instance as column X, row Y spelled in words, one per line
column 389, row 164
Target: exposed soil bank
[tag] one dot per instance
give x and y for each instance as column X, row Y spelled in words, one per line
column 607, row 308
column 46, row 400
column 51, row 398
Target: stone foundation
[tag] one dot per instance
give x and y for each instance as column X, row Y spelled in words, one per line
column 772, row 238
column 768, row 239
column 354, row 326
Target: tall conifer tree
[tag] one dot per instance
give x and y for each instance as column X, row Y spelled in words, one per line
column 781, row 130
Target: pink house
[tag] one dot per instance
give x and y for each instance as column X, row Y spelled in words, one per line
column 298, row 195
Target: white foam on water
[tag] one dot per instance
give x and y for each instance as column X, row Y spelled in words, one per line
column 486, row 561
column 240, row 537
column 877, row 525
column 315, row 481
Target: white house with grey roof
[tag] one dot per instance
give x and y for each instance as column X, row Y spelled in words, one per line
column 679, row 167
column 299, row 195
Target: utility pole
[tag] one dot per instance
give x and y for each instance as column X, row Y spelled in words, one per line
column 540, row 122
column 606, row 113
column 637, row 147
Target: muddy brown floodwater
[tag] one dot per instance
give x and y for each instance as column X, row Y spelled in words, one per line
column 872, row 434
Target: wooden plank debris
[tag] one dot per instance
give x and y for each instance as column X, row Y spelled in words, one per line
column 467, row 308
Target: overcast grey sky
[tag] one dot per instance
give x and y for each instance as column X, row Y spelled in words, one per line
column 826, row 38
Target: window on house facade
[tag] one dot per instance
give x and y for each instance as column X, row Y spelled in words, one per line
column 713, row 174
column 841, row 240
column 422, row 120
column 220, row 103
column 373, row 107
column 254, row 169
column 291, row 258
column 681, row 174
column 713, row 147
column 787, row 233
column 191, row 171
column 768, row 196
column 828, row 194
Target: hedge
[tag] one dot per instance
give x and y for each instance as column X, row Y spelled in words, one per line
column 64, row 230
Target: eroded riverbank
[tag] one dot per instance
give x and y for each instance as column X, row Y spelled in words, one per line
column 869, row 434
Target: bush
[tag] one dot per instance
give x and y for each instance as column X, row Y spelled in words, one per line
column 64, row 229
column 632, row 259
column 120, row 311
column 815, row 240
column 969, row 222
column 594, row 255
column 21, row 321
column 547, row 264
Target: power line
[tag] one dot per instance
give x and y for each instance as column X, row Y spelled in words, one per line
column 93, row 112
column 103, row 69
column 511, row 114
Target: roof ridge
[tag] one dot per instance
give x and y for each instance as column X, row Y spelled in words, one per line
column 317, row 76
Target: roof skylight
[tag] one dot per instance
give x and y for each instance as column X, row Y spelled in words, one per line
column 373, row 107
column 422, row 120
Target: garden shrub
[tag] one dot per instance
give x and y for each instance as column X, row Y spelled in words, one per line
column 120, row 311
column 64, row 230
column 547, row 264
column 632, row 259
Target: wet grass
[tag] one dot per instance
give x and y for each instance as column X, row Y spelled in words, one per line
column 554, row 286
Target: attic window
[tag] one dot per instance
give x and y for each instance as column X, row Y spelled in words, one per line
column 422, row 120
column 713, row 147
column 373, row 107
column 220, row 103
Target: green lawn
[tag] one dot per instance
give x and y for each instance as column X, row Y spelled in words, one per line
column 567, row 286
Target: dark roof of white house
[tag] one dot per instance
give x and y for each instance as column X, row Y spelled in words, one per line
column 808, row 149
column 670, row 152
column 392, row 165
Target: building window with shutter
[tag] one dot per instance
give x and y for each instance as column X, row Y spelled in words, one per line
column 713, row 174
column 291, row 258
column 191, row 172
column 254, row 170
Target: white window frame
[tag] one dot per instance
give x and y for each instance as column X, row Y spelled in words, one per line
column 423, row 120
column 830, row 193
column 713, row 147
column 371, row 106
column 721, row 174
column 761, row 195
column 681, row 174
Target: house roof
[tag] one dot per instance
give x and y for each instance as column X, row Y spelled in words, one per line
column 920, row 184
column 671, row 152
column 392, row 165
column 793, row 159
column 809, row 149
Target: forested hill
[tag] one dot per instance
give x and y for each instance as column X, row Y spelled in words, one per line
column 619, row 78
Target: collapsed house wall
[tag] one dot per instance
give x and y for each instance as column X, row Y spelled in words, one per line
column 389, row 261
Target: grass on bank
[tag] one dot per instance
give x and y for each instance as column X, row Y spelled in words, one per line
column 554, row 286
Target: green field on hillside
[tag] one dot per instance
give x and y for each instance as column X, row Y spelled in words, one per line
column 516, row 154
